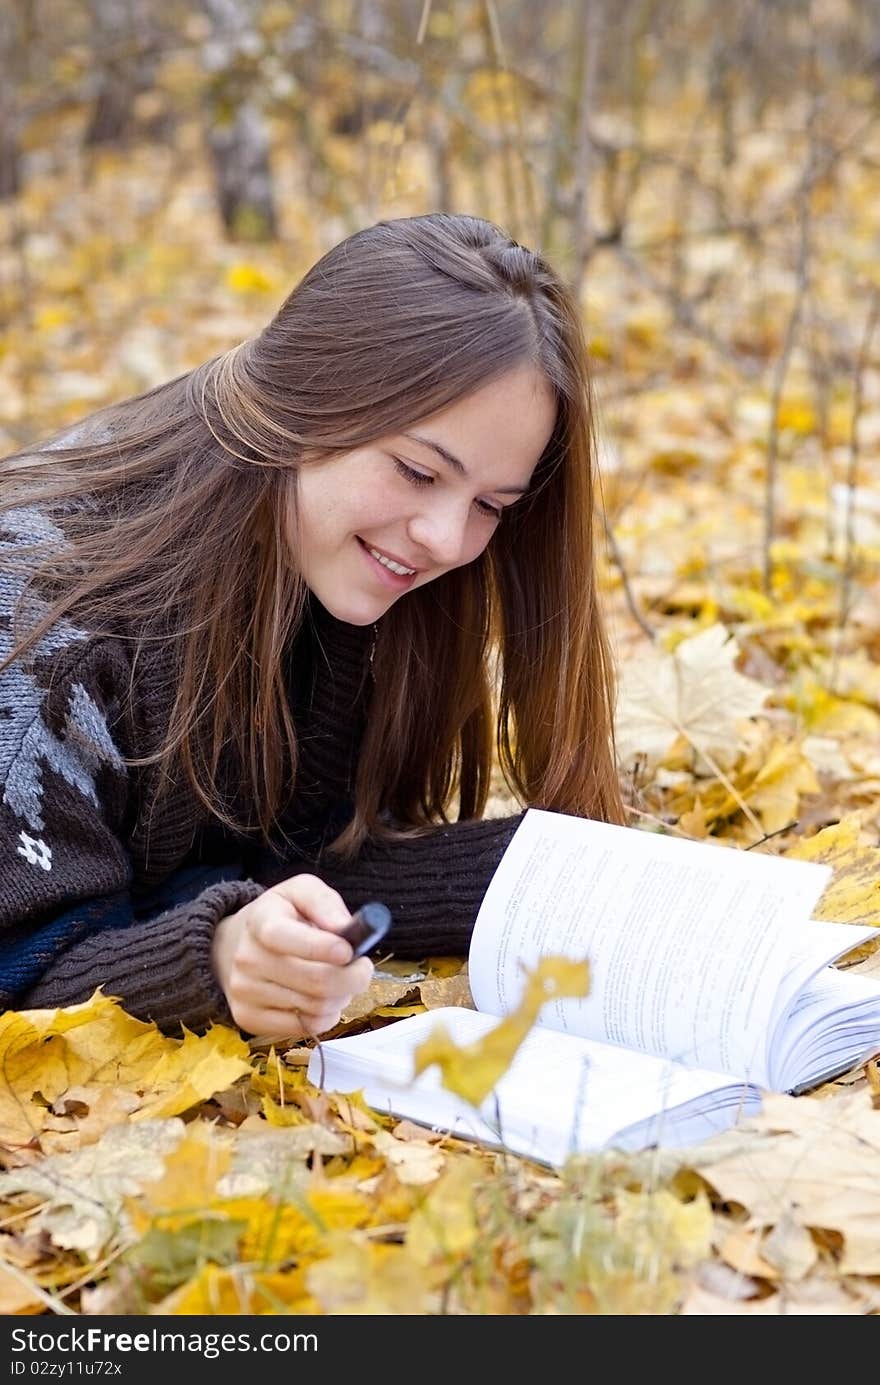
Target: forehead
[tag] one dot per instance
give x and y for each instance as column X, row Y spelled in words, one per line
column 503, row 427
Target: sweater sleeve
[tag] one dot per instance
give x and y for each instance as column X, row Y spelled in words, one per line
column 433, row 884
column 67, row 925
column 159, row 968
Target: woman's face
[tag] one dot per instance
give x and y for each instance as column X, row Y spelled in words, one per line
column 427, row 499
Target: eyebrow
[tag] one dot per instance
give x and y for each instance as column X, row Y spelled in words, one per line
column 458, row 465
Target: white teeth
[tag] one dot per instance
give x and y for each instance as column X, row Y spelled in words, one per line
column 395, row 567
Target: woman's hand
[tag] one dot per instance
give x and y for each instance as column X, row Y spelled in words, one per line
column 281, row 964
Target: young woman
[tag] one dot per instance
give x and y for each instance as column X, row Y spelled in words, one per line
column 264, row 625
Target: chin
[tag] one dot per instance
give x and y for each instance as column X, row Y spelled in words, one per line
column 351, row 611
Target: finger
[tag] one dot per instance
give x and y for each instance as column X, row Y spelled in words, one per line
column 281, row 1025
column 280, row 1001
column 314, row 899
column 309, row 982
column 284, row 936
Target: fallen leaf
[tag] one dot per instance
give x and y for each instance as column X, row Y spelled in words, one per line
column 693, row 692
column 852, row 895
column 79, row 1197
column 413, row 1161
column 274, row 1160
column 451, row 990
column 444, row 1225
column 813, row 1162
column 473, row 1070
column 358, row 1278
column 242, row 1291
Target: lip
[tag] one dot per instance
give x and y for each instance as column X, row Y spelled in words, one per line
column 392, row 580
column 393, row 556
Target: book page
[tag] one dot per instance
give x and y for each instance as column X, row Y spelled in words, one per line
column 561, row 1094
column 834, row 1026
column 816, row 946
column 687, row 941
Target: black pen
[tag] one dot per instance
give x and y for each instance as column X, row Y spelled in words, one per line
column 367, row 926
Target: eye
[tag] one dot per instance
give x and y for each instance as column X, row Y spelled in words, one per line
column 490, row 511
column 420, row 478
column 416, row 478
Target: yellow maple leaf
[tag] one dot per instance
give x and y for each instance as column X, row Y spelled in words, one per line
column 473, row 1069
column 827, row 714
column 193, row 1069
column 284, row 1116
column 694, row 692
column 769, row 783
column 279, row 1232
column 444, row 1225
column 216, row 1291
column 853, row 893
column 188, row 1185
column 659, row 1225
column 102, row 1042
column 34, row 1073
column 367, row 1278
column 45, row 1053
column 782, row 779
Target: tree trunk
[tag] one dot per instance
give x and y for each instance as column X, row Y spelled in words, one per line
column 125, row 52
column 236, row 131
column 10, row 60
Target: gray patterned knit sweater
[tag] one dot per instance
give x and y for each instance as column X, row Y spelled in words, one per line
column 99, row 890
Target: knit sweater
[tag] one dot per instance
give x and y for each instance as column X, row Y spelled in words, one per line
column 102, row 886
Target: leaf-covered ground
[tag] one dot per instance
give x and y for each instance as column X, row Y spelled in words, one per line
column 147, row 1174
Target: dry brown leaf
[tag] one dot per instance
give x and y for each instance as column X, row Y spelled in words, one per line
column 741, row 1250
column 368, row 1278
column 380, row 992
column 694, row 692
column 80, row 1196
column 451, row 990
column 814, row 1162
column 827, row 1297
column 853, row 893
column 415, row 1162
column 790, row 1248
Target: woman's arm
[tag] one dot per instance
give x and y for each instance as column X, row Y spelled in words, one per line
column 66, row 920
column 159, row 969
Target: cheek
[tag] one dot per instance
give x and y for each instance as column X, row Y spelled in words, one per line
column 326, row 514
column 481, row 541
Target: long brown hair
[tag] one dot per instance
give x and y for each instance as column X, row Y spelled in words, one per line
column 173, row 505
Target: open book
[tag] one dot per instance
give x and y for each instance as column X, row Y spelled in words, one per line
column 710, row 982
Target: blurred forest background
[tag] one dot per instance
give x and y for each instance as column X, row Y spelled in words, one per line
column 707, row 178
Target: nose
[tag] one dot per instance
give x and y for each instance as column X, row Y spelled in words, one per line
column 441, row 532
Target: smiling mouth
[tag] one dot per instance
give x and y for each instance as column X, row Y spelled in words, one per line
column 399, row 569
